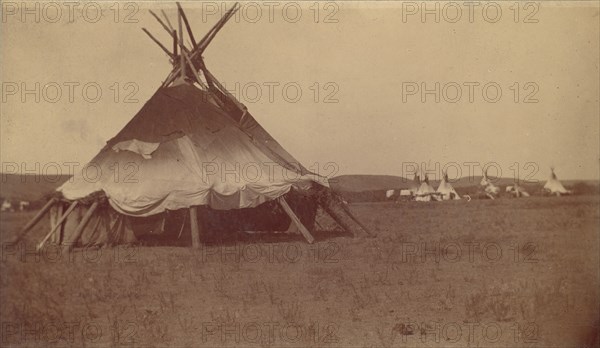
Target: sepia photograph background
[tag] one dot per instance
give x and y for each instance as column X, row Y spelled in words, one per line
column 370, row 95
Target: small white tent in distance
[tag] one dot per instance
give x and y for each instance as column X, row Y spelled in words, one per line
column 489, row 189
column 446, row 191
column 426, row 192
column 554, row 187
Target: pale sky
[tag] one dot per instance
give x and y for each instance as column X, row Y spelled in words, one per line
column 366, row 57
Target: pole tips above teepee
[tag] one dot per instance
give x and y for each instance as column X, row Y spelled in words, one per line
column 187, row 61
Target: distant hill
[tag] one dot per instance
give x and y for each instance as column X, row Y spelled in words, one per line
column 358, row 183
column 29, row 187
column 361, row 183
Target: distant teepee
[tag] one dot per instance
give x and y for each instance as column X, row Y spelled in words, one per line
column 553, row 186
column 414, row 186
column 426, row 192
column 490, row 190
column 446, row 191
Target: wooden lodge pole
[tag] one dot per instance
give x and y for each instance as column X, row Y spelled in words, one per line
column 341, row 214
column 35, row 220
column 158, row 43
column 341, row 218
column 181, row 58
column 58, row 223
column 309, row 238
column 167, row 19
column 56, row 238
column 201, row 45
column 79, row 230
column 358, row 222
column 191, row 66
column 195, row 230
column 174, row 45
column 187, row 25
column 168, row 28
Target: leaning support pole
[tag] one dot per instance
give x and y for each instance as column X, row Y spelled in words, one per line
column 58, row 223
column 84, row 221
column 341, row 219
column 35, row 220
column 57, row 237
column 309, row 238
column 341, row 214
column 351, row 215
column 194, row 227
column 159, row 44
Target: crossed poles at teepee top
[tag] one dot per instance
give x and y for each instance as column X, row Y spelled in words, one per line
column 181, row 56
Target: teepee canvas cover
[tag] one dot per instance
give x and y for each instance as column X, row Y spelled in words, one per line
column 554, row 186
column 193, row 158
column 182, row 150
column 414, row 187
column 487, row 187
column 446, row 191
column 426, row 192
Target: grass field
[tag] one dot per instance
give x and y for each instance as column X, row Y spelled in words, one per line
column 503, row 273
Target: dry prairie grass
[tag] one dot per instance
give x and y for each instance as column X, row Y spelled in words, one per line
column 505, row 273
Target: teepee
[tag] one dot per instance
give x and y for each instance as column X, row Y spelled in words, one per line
column 446, row 191
column 415, row 185
column 192, row 159
column 554, row 186
column 489, row 189
column 426, row 192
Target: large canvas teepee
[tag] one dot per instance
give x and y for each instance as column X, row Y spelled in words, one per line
column 554, row 186
column 193, row 158
column 446, row 191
